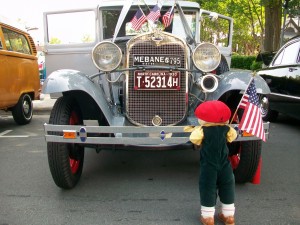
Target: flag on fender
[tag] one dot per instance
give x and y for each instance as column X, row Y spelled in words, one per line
column 168, row 17
column 154, row 13
column 138, row 19
column 251, row 121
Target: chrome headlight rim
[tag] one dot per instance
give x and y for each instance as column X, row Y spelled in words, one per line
column 107, row 68
column 218, row 57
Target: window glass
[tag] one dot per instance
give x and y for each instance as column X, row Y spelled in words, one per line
column 71, row 28
column 214, row 31
column 288, row 55
column 110, row 19
column 279, row 58
column 16, row 42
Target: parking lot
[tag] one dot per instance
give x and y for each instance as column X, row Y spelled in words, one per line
column 138, row 187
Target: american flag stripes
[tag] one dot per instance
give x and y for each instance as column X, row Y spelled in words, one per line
column 138, row 19
column 244, row 101
column 154, row 13
column 168, row 16
column 251, row 121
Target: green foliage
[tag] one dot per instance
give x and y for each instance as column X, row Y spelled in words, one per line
column 87, row 38
column 243, row 62
column 55, row 40
column 248, row 22
column 256, row 66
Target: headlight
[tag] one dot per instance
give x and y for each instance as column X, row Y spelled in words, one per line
column 107, row 56
column 206, row 57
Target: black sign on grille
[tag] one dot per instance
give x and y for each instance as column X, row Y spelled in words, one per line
column 158, row 60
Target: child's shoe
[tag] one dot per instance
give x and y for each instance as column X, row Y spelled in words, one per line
column 207, row 221
column 229, row 220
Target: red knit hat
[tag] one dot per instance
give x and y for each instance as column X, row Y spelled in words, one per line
column 213, row 111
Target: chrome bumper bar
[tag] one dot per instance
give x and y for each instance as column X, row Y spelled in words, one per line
column 126, row 135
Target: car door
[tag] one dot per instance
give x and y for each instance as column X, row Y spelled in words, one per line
column 293, row 79
column 283, row 78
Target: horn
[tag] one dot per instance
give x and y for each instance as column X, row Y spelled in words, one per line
column 208, row 83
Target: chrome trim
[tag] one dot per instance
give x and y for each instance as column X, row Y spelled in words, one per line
column 148, row 36
column 285, row 96
column 149, row 135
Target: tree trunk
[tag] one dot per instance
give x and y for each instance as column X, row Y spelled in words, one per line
column 273, row 13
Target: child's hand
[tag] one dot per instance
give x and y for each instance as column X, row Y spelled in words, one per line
column 189, row 128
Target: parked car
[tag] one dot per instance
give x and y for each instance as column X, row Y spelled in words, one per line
column 126, row 88
column 42, row 65
column 283, row 77
column 19, row 73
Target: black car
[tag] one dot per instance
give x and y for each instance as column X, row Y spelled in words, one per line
column 283, row 78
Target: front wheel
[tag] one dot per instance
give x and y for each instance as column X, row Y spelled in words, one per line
column 65, row 159
column 22, row 112
column 244, row 157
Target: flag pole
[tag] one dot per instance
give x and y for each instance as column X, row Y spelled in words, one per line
column 252, row 77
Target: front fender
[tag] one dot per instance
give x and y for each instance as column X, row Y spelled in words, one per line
column 70, row 80
column 239, row 80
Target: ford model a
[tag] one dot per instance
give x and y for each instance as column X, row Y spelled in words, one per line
column 133, row 79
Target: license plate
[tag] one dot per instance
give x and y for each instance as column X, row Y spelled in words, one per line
column 156, row 80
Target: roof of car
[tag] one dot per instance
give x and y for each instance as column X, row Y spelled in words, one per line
column 4, row 21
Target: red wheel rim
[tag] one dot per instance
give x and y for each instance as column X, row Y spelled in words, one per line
column 235, row 159
column 74, row 163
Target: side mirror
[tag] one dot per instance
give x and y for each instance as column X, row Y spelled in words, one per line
column 213, row 16
column 265, row 57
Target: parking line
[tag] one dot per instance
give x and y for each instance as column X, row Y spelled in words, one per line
column 11, row 136
column 5, row 132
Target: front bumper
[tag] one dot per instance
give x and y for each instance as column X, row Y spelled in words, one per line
column 159, row 136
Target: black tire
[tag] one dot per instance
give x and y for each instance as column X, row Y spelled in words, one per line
column 223, row 67
column 248, row 154
column 22, row 112
column 65, row 160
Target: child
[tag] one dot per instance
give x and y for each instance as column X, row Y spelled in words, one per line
column 216, row 175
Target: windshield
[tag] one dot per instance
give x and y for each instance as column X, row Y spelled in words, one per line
column 110, row 19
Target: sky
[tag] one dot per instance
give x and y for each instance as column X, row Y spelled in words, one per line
column 30, row 12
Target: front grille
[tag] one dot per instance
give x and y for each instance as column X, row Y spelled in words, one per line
column 143, row 105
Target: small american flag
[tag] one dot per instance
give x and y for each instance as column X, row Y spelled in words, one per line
column 138, row 19
column 251, row 121
column 154, row 13
column 168, row 16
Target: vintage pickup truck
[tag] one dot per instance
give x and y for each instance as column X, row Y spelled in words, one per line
column 125, row 85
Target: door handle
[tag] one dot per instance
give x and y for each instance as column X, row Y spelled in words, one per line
column 292, row 69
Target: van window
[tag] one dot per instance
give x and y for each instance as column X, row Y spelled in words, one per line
column 16, row 42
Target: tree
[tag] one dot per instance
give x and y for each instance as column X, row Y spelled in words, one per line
column 248, row 22
column 273, row 15
column 257, row 23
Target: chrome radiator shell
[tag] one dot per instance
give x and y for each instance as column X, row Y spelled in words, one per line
column 142, row 106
